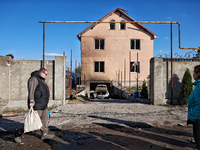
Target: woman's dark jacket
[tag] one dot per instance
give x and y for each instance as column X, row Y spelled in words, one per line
column 41, row 94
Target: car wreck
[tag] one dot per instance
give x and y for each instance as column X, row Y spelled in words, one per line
column 101, row 91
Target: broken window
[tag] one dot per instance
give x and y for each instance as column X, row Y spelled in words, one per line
column 99, row 66
column 135, row 44
column 112, row 25
column 122, row 25
column 134, row 67
column 99, row 44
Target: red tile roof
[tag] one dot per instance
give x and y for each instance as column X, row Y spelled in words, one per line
column 117, row 9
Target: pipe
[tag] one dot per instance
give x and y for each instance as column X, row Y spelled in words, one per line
column 179, row 29
column 171, row 67
column 161, row 22
column 121, row 84
column 125, row 72
column 75, row 76
column 84, row 80
column 64, row 76
column 129, row 72
column 154, row 22
column 43, row 44
column 68, row 81
column 137, row 71
column 79, row 78
column 71, row 76
column 121, row 80
column 118, row 77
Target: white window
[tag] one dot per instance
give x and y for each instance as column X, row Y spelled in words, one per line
column 122, row 25
column 112, row 25
column 99, row 43
column 135, row 44
column 134, row 67
column 98, row 66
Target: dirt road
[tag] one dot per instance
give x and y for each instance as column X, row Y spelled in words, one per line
column 106, row 124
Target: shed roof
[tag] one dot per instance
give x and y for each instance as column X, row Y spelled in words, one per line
column 122, row 11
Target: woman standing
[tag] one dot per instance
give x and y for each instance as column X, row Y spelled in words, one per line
column 194, row 107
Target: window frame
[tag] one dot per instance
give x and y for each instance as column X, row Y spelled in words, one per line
column 99, row 44
column 135, row 67
column 135, row 44
column 112, row 24
column 121, row 23
column 99, row 67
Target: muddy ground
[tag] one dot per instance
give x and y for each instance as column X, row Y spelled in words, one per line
column 106, row 125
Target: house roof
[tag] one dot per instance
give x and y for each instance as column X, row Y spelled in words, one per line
column 122, row 11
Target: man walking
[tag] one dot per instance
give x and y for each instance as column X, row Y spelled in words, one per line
column 38, row 98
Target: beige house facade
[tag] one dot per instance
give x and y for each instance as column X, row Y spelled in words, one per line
column 109, row 50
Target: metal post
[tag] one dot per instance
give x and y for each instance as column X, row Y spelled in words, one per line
column 79, row 79
column 84, row 80
column 125, row 72
column 137, row 71
column 171, row 68
column 118, row 77
column 130, row 72
column 68, row 81
column 64, row 74
column 121, row 84
column 71, row 76
column 121, row 80
column 43, row 44
column 75, row 76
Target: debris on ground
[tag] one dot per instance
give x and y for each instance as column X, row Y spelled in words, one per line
column 7, row 115
column 191, row 140
column 105, row 124
column 78, row 99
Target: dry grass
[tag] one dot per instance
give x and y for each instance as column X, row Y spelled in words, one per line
column 11, row 110
column 19, row 110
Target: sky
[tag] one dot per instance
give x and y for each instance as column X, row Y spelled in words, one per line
column 21, row 34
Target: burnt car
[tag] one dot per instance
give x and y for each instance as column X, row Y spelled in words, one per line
column 101, row 91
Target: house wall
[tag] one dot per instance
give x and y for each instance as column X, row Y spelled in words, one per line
column 117, row 49
column 14, row 75
column 160, row 78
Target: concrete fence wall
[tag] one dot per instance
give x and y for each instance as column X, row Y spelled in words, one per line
column 14, row 75
column 120, row 93
column 160, row 78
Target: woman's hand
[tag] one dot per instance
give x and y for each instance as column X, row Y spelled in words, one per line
column 31, row 104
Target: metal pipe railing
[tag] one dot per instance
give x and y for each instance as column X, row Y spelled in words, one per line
column 153, row 22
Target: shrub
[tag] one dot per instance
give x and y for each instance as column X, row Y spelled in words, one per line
column 186, row 88
column 144, row 92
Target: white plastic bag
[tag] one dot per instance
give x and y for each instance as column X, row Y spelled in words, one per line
column 32, row 121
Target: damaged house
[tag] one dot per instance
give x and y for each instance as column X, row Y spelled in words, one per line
column 109, row 51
